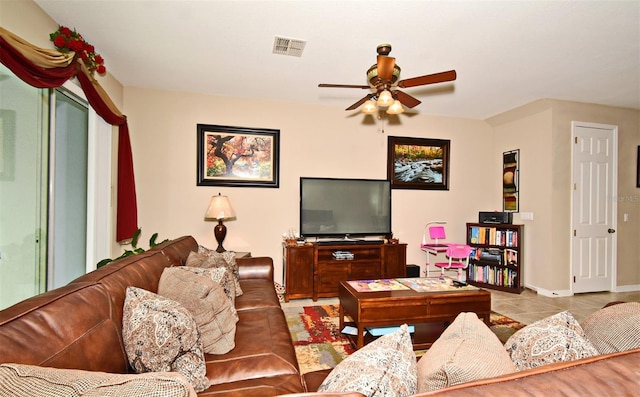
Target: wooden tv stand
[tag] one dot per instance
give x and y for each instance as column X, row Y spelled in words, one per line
column 311, row 271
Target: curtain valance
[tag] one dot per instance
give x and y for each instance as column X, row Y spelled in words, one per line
column 45, row 68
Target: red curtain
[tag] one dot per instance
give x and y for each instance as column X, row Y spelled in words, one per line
column 127, row 210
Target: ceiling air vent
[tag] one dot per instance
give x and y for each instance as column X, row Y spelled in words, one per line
column 286, row 46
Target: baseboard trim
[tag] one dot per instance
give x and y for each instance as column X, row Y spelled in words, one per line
column 627, row 288
column 564, row 293
column 554, row 293
column 548, row 292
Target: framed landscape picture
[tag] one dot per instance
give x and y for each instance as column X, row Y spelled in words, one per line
column 418, row 163
column 510, row 181
column 237, row 156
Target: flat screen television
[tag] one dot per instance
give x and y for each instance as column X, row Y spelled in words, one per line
column 344, row 208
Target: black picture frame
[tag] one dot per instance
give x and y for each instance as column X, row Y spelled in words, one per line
column 238, row 156
column 638, row 168
column 418, row 163
column 511, row 181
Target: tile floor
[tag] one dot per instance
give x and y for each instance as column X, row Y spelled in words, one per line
column 528, row 306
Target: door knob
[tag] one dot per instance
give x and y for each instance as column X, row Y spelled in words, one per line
column 611, row 230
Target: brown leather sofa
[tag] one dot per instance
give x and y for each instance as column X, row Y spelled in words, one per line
column 615, row 374
column 79, row 326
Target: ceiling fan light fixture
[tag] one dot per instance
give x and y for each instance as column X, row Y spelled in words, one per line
column 369, row 107
column 395, row 108
column 385, row 99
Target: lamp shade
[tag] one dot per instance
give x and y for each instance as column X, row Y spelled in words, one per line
column 220, row 208
column 395, row 108
column 385, row 99
column 369, row 107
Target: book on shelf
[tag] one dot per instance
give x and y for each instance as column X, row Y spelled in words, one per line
column 503, row 277
column 493, row 236
column 487, row 254
column 510, row 257
column 475, row 235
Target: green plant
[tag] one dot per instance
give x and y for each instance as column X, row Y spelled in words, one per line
column 134, row 247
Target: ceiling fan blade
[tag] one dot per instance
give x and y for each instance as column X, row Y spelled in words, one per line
column 342, row 86
column 385, row 67
column 360, row 102
column 406, row 99
column 428, row 79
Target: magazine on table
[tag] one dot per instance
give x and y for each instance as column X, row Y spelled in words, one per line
column 386, row 284
column 424, row 284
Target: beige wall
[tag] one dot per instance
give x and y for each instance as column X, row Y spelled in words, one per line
column 326, row 141
column 27, row 20
column 528, row 129
column 314, row 141
column 542, row 131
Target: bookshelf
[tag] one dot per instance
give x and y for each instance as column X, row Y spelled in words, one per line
column 496, row 260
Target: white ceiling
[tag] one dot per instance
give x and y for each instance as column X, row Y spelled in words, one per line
column 506, row 53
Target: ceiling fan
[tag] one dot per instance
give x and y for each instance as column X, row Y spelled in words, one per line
column 383, row 82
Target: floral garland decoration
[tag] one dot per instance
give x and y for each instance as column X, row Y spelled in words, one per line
column 65, row 40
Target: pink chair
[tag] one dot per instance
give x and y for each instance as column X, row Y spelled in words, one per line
column 437, row 234
column 437, row 244
column 458, row 258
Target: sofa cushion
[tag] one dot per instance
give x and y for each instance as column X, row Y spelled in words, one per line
column 207, row 258
column 467, row 350
column 160, row 335
column 220, row 275
column 257, row 294
column 205, row 299
column 553, row 339
column 263, row 349
column 31, row 380
column 384, row 368
column 614, row 328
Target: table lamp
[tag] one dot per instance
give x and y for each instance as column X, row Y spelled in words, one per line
column 221, row 210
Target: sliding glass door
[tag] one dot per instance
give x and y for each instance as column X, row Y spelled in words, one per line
column 55, row 188
column 68, row 173
column 23, row 188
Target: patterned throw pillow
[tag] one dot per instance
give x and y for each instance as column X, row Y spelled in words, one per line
column 160, row 335
column 467, row 350
column 614, row 328
column 205, row 299
column 207, row 258
column 222, row 277
column 554, row 339
column 33, row 380
column 384, row 368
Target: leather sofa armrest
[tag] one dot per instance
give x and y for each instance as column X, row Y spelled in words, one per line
column 255, row 267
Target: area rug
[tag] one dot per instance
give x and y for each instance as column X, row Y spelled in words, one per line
column 319, row 344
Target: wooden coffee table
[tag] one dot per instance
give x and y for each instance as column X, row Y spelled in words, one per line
column 429, row 312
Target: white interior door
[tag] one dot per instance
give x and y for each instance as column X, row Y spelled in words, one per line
column 594, row 209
